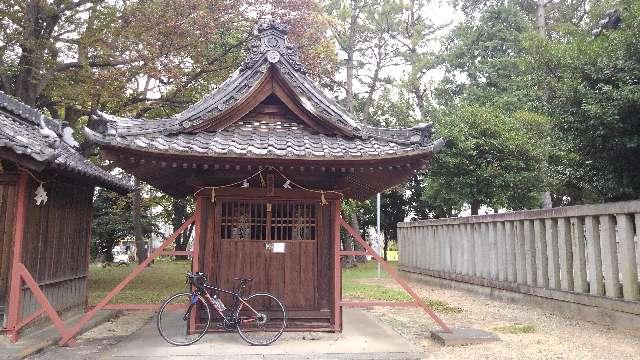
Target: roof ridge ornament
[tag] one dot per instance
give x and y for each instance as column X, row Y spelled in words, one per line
column 270, row 41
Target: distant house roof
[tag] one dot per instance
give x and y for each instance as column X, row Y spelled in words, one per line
column 27, row 132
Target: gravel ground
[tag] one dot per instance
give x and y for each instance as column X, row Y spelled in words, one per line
column 555, row 337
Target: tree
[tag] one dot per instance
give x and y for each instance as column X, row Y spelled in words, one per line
column 491, row 159
column 112, row 222
column 595, row 97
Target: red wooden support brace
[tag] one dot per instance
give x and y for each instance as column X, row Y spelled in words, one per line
column 68, row 334
column 394, row 274
column 337, row 269
column 18, row 235
column 44, row 302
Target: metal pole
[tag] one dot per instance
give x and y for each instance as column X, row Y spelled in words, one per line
column 378, row 237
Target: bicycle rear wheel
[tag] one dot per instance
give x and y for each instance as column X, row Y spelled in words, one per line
column 261, row 319
column 174, row 317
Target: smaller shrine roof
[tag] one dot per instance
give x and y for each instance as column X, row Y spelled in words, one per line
column 28, row 132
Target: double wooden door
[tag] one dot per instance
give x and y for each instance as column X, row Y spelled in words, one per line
column 272, row 241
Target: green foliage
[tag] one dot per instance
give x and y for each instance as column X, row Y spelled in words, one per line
column 491, row 158
column 112, row 222
column 593, row 92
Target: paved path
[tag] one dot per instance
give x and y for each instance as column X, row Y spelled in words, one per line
column 363, row 338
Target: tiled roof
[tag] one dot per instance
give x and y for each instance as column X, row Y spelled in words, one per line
column 257, row 139
column 21, row 131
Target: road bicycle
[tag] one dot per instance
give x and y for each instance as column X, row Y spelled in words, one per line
column 185, row 317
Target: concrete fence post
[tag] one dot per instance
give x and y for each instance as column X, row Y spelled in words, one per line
column 594, row 257
column 566, row 257
column 530, row 252
column 521, row 265
column 477, row 250
column 609, row 252
column 493, row 250
column 579, row 259
column 502, row 251
column 542, row 266
column 511, row 251
column 472, row 253
column 551, row 235
column 629, row 268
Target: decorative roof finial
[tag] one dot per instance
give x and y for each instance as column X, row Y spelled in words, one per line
column 272, row 24
column 271, row 44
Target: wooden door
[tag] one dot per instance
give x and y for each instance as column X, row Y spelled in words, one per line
column 272, row 241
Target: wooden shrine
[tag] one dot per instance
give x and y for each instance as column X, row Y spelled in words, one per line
column 269, row 158
column 46, row 198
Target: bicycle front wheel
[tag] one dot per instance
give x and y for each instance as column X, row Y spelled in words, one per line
column 175, row 315
column 261, row 319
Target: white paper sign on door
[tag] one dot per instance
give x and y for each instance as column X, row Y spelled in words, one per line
column 278, row 247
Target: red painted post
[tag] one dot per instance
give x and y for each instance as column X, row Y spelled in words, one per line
column 13, row 309
column 68, row 334
column 394, row 274
column 195, row 257
column 337, row 268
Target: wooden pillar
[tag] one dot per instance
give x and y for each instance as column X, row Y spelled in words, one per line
column 337, row 269
column 594, row 261
column 195, row 255
column 13, row 309
column 579, row 255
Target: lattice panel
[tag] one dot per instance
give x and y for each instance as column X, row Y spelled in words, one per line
column 292, row 220
column 243, row 220
column 268, row 221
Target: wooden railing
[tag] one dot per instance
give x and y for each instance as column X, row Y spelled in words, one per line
column 589, row 249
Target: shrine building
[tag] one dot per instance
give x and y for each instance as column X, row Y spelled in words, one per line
column 269, row 156
column 46, row 201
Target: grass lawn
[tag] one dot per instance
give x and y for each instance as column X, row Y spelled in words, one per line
column 153, row 285
column 164, row 278
column 354, row 288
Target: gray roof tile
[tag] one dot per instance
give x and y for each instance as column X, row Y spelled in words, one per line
column 20, row 131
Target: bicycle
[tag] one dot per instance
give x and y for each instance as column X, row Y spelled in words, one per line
column 259, row 318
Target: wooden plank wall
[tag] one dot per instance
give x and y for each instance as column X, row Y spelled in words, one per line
column 7, row 212
column 56, row 248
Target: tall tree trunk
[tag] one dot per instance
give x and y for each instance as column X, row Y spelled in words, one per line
column 179, row 209
column 541, row 21
column 136, row 212
column 355, row 224
column 475, row 206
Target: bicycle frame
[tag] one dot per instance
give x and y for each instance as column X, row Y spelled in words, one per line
column 238, row 301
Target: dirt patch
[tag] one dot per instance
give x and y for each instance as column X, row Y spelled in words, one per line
column 125, row 324
column 554, row 337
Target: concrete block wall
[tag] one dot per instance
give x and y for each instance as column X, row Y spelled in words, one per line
column 589, row 250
